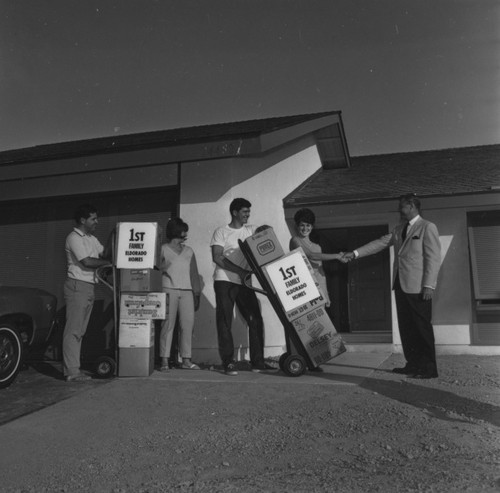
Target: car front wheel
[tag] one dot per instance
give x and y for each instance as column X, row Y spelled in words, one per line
column 11, row 354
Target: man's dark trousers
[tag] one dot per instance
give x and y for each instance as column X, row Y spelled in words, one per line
column 226, row 295
column 415, row 329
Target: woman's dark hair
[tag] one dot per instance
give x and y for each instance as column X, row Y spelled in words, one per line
column 175, row 227
column 304, row 216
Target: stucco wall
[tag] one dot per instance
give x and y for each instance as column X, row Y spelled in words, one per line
column 206, row 192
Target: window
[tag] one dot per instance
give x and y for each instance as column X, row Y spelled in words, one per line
column 484, row 243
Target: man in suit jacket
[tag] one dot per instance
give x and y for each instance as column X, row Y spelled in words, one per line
column 417, row 258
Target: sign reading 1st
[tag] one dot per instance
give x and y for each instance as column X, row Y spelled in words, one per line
column 288, row 273
column 136, row 235
column 292, row 280
column 136, row 245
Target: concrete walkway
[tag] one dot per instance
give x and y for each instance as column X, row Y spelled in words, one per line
column 349, row 368
column 42, row 386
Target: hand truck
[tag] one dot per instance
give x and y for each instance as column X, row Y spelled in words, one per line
column 304, row 334
column 106, row 366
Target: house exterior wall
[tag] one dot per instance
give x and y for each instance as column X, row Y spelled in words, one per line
column 453, row 299
column 206, row 188
column 205, row 195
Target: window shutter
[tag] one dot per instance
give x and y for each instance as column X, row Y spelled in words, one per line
column 484, row 242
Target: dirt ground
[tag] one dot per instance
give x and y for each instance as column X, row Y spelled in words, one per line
column 385, row 434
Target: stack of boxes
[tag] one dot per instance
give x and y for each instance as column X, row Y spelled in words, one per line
column 141, row 299
column 292, row 278
column 299, row 292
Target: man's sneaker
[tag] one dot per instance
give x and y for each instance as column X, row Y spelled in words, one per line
column 80, row 377
column 262, row 367
column 230, row 369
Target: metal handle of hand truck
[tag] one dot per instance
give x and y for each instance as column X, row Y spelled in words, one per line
column 100, row 277
column 246, row 281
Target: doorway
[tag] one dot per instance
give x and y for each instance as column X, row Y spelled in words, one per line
column 361, row 290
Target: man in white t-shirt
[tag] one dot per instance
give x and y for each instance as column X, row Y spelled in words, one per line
column 84, row 254
column 230, row 268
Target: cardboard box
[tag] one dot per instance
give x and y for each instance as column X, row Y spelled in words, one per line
column 140, row 280
column 143, row 305
column 265, row 246
column 318, row 335
column 136, row 333
column 305, row 308
column 135, row 362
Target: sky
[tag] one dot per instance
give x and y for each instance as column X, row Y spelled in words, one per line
column 407, row 75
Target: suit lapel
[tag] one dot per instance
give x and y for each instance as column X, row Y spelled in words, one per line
column 409, row 233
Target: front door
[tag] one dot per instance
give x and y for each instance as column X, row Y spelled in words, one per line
column 360, row 291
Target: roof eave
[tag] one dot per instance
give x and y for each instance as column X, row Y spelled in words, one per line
column 327, row 200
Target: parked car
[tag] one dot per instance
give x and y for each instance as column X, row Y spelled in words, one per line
column 27, row 319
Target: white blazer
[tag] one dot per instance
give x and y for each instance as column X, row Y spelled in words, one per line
column 417, row 259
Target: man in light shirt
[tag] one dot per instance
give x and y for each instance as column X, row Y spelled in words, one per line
column 417, row 259
column 230, row 269
column 84, row 254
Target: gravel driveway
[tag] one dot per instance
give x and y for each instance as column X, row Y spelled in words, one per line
column 206, row 432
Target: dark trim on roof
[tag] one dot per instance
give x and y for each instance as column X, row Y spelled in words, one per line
column 162, row 138
column 366, row 199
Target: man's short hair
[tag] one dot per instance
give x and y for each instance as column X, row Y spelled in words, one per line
column 411, row 198
column 238, row 204
column 84, row 210
column 175, row 227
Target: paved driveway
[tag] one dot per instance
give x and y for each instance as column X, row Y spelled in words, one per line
column 41, row 384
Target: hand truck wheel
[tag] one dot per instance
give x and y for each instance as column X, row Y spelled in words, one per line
column 294, row 365
column 282, row 359
column 105, row 367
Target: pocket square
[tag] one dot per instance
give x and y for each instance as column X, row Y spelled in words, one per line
column 415, row 237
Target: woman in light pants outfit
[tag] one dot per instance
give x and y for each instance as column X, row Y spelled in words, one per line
column 181, row 282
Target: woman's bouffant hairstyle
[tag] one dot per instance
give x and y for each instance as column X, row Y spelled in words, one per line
column 304, row 216
column 175, row 227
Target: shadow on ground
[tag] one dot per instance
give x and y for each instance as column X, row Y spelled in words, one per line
column 438, row 403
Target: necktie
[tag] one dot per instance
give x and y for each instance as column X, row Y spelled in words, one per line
column 405, row 229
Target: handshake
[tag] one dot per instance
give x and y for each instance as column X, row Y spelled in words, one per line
column 346, row 257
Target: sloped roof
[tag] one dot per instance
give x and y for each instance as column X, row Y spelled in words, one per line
column 162, row 138
column 443, row 172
